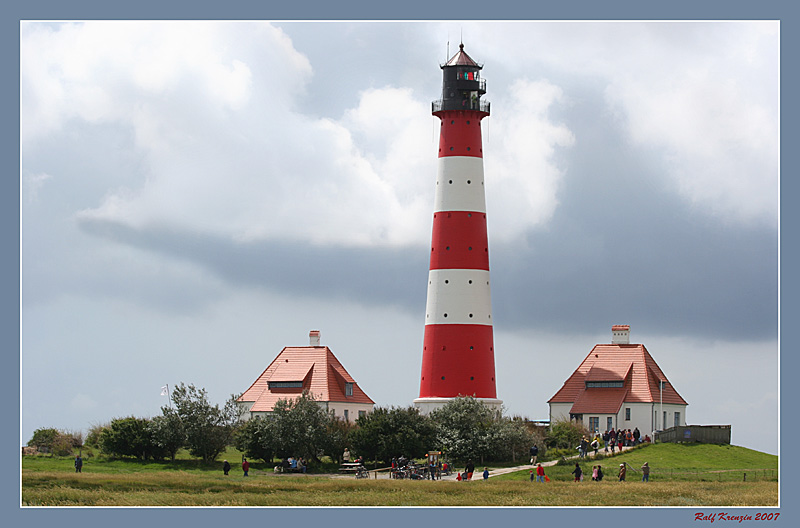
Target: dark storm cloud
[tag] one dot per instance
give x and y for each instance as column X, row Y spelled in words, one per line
column 624, row 248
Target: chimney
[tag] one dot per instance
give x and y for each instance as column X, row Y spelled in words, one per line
column 313, row 338
column 621, row 335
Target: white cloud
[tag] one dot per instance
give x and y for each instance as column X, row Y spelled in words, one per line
column 702, row 97
column 215, row 111
column 522, row 179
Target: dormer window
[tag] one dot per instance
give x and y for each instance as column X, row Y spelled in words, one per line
column 596, row 384
column 285, row 384
column 348, row 389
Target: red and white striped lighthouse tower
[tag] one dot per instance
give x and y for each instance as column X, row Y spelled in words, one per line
column 458, row 349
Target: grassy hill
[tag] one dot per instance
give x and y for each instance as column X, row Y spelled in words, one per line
column 701, row 462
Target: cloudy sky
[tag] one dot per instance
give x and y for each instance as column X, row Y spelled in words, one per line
column 198, row 195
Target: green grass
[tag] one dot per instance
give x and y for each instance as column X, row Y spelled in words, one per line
column 51, row 481
column 675, row 462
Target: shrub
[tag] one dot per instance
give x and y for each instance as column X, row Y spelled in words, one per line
column 93, row 436
column 44, row 438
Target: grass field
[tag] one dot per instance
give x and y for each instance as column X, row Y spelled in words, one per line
column 52, row 482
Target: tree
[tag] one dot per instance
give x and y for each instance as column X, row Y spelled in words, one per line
column 55, row 441
column 300, row 426
column 167, row 432
column 467, row 428
column 208, row 428
column 391, row 432
column 93, row 436
column 43, row 438
column 514, row 438
column 130, row 437
column 337, row 438
column 256, row 438
column 565, row 434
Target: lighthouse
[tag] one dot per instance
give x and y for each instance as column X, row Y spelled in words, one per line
column 458, row 347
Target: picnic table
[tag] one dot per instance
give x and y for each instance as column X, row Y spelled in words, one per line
column 354, row 467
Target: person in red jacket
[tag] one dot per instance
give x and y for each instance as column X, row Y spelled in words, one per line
column 539, row 473
column 245, row 466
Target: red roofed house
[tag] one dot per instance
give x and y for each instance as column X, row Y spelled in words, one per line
column 617, row 386
column 313, row 368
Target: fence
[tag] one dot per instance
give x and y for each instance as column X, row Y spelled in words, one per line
column 703, row 434
column 723, row 475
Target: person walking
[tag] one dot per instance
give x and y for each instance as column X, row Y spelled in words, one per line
column 594, row 473
column 226, row 466
column 622, row 471
column 578, row 472
column 469, row 470
column 534, row 454
column 645, row 472
column 245, row 466
column 486, row 473
column 605, row 441
column 599, row 473
column 78, row 463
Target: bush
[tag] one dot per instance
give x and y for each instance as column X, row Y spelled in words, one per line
column 130, row 437
column 565, row 434
column 44, row 438
column 93, row 436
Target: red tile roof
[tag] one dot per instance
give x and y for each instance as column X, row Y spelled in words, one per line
column 631, row 363
column 319, row 370
column 605, row 400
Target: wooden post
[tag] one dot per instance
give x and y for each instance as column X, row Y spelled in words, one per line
column 745, row 477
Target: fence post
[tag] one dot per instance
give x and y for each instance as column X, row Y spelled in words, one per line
column 745, row 477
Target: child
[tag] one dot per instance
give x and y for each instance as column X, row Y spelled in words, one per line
column 458, row 477
column 531, row 475
column 486, row 473
column 594, row 473
column 578, row 472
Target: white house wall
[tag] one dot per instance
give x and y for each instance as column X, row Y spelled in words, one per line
column 642, row 416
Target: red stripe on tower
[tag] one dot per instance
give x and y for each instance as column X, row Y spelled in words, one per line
column 458, row 349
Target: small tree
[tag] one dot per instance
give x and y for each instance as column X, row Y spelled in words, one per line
column 513, row 438
column 389, row 432
column 130, row 437
column 256, row 438
column 44, row 438
column 467, row 428
column 167, row 432
column 208, row 428
column 93, row 436
column 300, row 426
column 565, row 434
column 337, row 438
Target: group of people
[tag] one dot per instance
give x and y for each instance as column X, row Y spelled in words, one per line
column 539, row 475
column 623, row 438
column 292, row 465
column 597, row 472
column 469, row 470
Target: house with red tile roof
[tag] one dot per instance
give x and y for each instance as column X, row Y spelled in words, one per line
column 312, row 368
column 619, row 386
